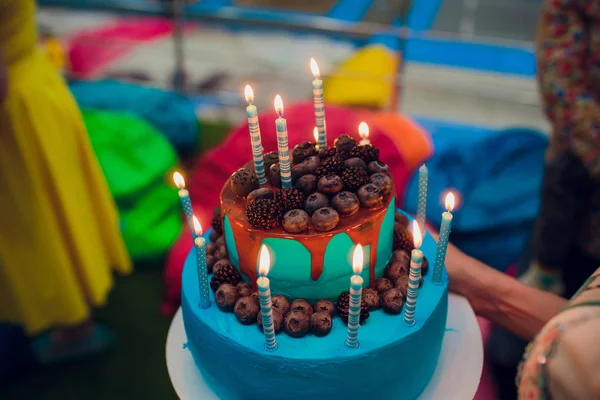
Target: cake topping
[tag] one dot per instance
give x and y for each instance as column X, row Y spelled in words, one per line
column 383, row 182
column 246, row 309
column 344, row 143
column 275, row 175
column 295, row 221
column 327, row 153
column 225, row 274
column 213, row 235
column 371, row 298
column 321, row 323
column 355, row 162
column 300, row 170
column 325, row 219
column 243, row 181
column 244, row 289
column 280, row 303
column 220, row 253
column 277, row 320
column 314, row 202
column 220, row 263
column 291, row 198
column 220, row 241
column 396, row 269
column 226, row 296
column 383, row 284
column 324, row 306
column 402, row 256
column 354, row 178
column 370, row 196
column 210, row 262
column 217, row 221
column 424, row 266
column 210, row 248
column 402, row 284
column 377, row 166
column 345, row 203
column 307, row 184
column 365, row 152
column 330, row 166
column 260, row 193
column 264, row 213
column 343, row 304
column 401, row 219
column 403, row 240
column 301, row 305
column 269, row 159
column 302, row 151
column 296, row 324
column 330, row 184
column 312, row 163
column 392, row 301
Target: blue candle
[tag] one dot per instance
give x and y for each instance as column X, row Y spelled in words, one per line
column 253, row 127
column 186, row 203
column 264, row 296
column 356, row 283
column 319, row 104
column 422, row 200
column 200, row 244
column 416, row 258
column 282, row 145
column 442, row 246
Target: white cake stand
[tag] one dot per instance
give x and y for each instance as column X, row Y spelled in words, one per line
column 456, row 376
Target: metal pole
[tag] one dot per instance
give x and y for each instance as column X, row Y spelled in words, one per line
column 179, row 73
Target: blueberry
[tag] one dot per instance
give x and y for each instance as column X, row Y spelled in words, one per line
column 302, row 151
column 325, row 219
column 243, row 181
column 275, row 175
column 307, row 184
column 383, row 182
column 298, row 171
column 378, row 166
column 355, row 162
column 295, row 221
column 370, row 196
column 262, row 193
column 330, row 184
column 314, row 202
column 345, row 203
column 312, row 162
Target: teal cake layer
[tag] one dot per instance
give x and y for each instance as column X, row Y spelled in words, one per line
column 393, row 361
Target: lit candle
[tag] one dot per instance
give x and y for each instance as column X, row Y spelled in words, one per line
column 186, row 203
column 356, row 283
column 416, row 258
column 253, row 127
column 264, row 296
column 319, row 104
column 422, row 200
column 282, row 145
column 442, row 246
column 200, row 244
column 363, row 131
column 316, row 136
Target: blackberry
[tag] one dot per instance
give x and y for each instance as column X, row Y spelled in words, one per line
column 331, row 166
column 354, row 178
column 343, row 305
column 291, row 198
column 344, row 143
column 327, row 152
column 264, row 213
column 226, row 274
column 217, row 222
column 365, row 152
column 403, row 240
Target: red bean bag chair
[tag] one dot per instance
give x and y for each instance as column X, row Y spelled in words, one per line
column 402, row 144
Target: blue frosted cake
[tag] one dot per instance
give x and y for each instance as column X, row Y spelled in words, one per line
column 341, row 197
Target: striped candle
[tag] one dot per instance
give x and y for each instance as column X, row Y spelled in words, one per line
column 282, row 145
column 442, row 246
column 264, row 296
column 422, row 199
column 414, row 278
column 356, row 283
column 200, row 244
column 319, row 104
column 254, row 128
column 186, row 203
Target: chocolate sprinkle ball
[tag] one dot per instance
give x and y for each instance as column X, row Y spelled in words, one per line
column 343, row 308
column 217, row 221
column 383, row 284
column 296, row 323
column 220, row 241
column 324, row 306
column 277, row 321
column 280, row 303
column 246, row 309
column 302, row 151
column 226, row 297
column 220, row 263
column 402, row 256
column 396, row 269
column 401, row 219
column 210, row 248
column 344, row 143
column 244, row 181
column 244, row 289
column 392, row 301
column 301, row 305
column 371, row 298
column 220, row 253
column 402, row 284
column 213, row 235
column 269, row 159
column 403, row 240
column 321, row 323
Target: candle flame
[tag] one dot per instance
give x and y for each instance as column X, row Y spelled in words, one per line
column 316, row 134
column 314, row 68
column 417, row 234
column 178, row 179
column 249, row 94
column 363, row 130
column 279, row 105
column 197, row 226
column 450, row 201
column 357, row 259
column 264, row 263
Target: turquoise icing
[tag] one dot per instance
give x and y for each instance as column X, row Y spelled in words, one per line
column 393, row 361
column 291, row 262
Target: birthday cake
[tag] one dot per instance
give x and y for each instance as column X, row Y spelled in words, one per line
column 309, row 334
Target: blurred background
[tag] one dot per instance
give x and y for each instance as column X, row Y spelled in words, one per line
column 160, row 83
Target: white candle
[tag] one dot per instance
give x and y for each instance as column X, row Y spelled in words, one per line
column 186, row 203
column 255, row 141
column 282, row 145
column 356, row 283
column 442, row 246
column 363, row 131
column 264, row 296
column 319, row 104
column 414, row 278
column 200, row 244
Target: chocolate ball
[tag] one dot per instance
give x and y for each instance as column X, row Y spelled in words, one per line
column 210, row 262
column 277, row 320
column 320, row 323
column 383, row 284
column 269, row 159
column 344, row 143
column 244, row 289
column 402, row 256
column 275, row 175
column 280, row 303
column 395, row 269
column 424, row 266
column 213, row 236
column 220, row 263
column 402, row 219
column 260, row 193
column 402, row 284
column 244, row 181
column 302, row 151
column 392, row 301
column 226, row 296
column 246, row 309
column 220, row 241
column 301, row 305
column 371, row 298
column 211, row 247
column 324, row 306
column 220, row 253
column 296, row 323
